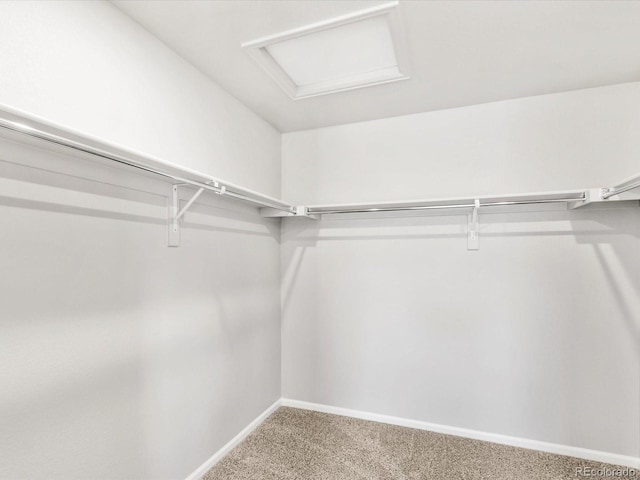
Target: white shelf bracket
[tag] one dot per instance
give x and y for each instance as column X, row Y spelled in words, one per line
column 174, row 220
column 175, row 213
column 189, row 203
column 472, row 228
column 590, row 196
column 300, row 211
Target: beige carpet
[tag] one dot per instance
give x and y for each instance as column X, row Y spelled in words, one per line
column 295, row 444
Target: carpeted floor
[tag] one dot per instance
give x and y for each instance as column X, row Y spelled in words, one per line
column 295, row 444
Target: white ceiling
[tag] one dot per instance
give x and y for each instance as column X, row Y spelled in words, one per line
column 462, row 52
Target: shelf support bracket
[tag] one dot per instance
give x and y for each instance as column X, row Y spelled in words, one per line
column 472, row 228
column 300, row 211
column 189, row 203
column 174, row 220
column 175, row 213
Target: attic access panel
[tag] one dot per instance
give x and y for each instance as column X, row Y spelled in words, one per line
column 357, row 50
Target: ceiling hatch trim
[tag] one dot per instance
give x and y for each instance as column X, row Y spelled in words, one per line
column 391, row 53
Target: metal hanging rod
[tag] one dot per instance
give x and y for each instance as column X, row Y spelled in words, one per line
column 207, row 183
column 365, row 209
column 34, row 127
column 610, row 192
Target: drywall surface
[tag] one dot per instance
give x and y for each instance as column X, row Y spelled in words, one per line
column 536, row 335
column 580, row 139
column 89, row 67
column 122, row 358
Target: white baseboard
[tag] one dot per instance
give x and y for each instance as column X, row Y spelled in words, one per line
column 594, row 455
column 216, row 457
column 558, row 449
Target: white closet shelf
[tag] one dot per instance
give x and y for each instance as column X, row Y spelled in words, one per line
column 39, row 128
column 29, row 126
column 627, row 185
column 572, row 197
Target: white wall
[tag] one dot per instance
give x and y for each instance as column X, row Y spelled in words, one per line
column 573, row 140
column 536, row 335
column 121, row 358
column 89, row 67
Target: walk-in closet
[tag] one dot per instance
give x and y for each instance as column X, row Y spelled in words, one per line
column 319, row 240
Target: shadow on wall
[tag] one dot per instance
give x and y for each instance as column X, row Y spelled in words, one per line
column 623, row 276
column 554, row 222
column 77, row 210
column 305, row 234
column 121, row 194
column 618, row 324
